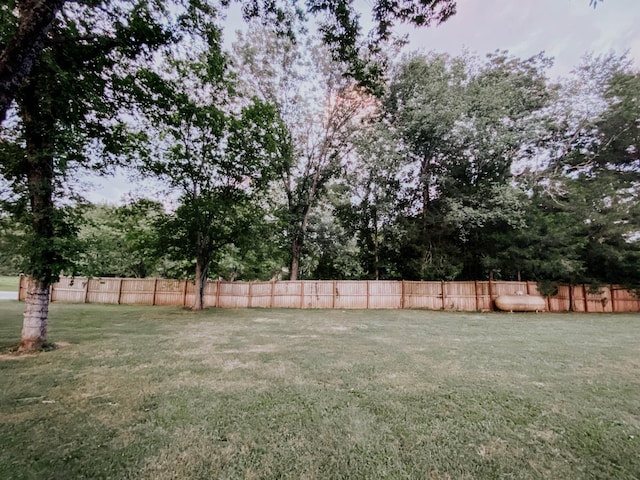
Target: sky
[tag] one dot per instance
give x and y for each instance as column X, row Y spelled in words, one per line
column 563, row 29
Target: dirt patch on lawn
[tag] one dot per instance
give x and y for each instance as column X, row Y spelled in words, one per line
column 12, row 352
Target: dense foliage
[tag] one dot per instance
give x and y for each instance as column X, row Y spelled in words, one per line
column 466, row 168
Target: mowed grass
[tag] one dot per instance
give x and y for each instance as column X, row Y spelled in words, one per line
column 9, row 284
column 165, row 393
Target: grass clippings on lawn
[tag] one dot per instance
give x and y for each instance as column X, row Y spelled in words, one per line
column 159, row 393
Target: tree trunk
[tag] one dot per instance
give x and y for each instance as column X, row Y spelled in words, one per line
column 36, row 314
column 43, row 256
column 201, row 283
column 22, row 51
column 296, row 248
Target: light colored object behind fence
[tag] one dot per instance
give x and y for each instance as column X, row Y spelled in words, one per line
column 341, row 294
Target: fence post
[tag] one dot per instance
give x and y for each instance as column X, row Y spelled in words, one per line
column 572, row 300
column 586, row 300
column 119, row 291
column 368, row 293
column 490, row 293
column 273, row 293
column 184, row 292
column 21, row 287
column 403, row 291
column 334, row 289
column 475, row 288
column 249, row 301
column 155, row 288
column 86, row 290
column 218, row 288
column 613, row 305
column 301, row 293
column 444, row 299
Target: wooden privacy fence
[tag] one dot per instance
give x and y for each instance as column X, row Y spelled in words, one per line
column 461, row 296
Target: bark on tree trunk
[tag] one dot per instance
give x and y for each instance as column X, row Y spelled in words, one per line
column 295, row 259
column 201, row 282
column 20, row 54
column 36, row 314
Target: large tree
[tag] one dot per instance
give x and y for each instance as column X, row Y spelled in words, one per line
column 320, row 106
column 215, row 150
column 67, row 113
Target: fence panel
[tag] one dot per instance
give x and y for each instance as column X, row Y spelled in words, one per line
column 561, row 301
column 170, row 292
column 67, row 289
column 288, row 294
column 423, row 295
column 624, row 300
column 319, row 294
column 483, row 296
column 579, row 298
column 460, row 296
column 260, row 294
column 599, row 302
column 351, row 294
column 138, row 291
column 233, row 294
column 104, row 290
column 385, row 294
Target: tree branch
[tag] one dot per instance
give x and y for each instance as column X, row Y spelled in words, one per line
column 20, row 54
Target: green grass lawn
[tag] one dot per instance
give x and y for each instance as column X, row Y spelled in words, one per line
column 9, row 284
column 164, row 393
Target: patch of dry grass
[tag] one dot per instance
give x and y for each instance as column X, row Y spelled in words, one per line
column 167, row 393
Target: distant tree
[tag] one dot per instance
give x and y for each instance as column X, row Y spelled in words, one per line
column 216, row 151
column 320, row 107
column 11, row 238
column 119, row 241
column 583, row 222
column 460, row 124
column 370, row 206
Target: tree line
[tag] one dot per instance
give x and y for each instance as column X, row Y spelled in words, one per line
column 307, row 156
